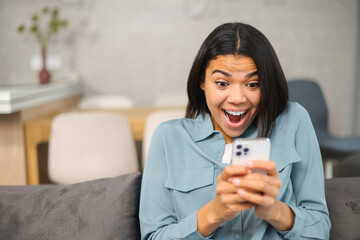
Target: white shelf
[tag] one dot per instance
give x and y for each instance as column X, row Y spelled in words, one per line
column 17, row 98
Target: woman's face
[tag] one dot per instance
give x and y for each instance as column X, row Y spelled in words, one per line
column 232, row 92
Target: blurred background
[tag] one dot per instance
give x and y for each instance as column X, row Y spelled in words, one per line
column 142, row 48
column 123, row 47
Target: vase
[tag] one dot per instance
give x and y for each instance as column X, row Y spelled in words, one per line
column 44, row 75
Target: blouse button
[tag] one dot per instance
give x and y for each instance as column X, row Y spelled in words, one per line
column 237, row 236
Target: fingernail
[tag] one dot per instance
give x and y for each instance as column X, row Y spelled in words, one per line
column 236, row 181
column 230, row 179
column 241, row 192
column 250, row 164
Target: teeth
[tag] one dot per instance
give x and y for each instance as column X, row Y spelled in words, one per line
column 235, row 113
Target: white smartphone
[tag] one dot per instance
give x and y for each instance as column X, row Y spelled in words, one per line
column 245, row 149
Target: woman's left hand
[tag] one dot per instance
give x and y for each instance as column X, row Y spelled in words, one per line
column 260, row 189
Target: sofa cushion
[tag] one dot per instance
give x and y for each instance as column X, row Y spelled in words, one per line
column 99, row 209
column 343, row 199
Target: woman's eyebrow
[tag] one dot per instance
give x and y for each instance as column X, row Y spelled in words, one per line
column 222, row 72
column 249, row 75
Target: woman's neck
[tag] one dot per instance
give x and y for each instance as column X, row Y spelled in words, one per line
column 227, row 138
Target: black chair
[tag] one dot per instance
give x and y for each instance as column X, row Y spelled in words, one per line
column 309, row 95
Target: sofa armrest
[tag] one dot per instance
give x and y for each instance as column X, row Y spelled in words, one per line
column 343, row 200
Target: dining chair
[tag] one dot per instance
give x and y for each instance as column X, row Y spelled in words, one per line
column 309, row 94
column 90, row 145
column 152, row 122
column 105, row 102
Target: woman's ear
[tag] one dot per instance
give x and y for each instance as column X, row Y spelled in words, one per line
column 202, row 85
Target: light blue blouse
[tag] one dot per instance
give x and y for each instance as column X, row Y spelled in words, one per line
column 184, row 160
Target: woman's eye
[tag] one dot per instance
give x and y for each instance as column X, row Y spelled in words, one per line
column 253, row 85
column 221, row 83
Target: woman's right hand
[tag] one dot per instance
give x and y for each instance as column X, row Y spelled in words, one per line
column 226, row 204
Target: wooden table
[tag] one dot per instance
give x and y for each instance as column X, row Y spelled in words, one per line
column 22, row 103
column 38, row 131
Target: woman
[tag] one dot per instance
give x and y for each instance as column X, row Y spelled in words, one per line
column 236, row 88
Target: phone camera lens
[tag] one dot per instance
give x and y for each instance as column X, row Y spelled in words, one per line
column 238, row 153
column 246, row 150
column 239, row 146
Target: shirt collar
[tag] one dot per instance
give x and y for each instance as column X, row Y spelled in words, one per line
column 203, row 127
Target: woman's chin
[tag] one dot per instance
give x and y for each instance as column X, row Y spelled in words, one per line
column 234, row 132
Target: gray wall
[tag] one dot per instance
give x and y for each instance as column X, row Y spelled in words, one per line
column 140, row 48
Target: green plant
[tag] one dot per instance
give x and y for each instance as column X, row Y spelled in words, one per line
column 43, row 32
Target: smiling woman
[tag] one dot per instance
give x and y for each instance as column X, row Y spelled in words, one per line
column 236, row 89
column 232, row 93
column 247, row 42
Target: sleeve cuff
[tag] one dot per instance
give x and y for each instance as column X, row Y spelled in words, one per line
column 295, row 232
column 188, row 228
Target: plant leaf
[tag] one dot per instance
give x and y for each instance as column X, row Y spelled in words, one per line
column 34, row 29
column 34, row 18
column 55, row 12
column 45, row 10
column 21, row 28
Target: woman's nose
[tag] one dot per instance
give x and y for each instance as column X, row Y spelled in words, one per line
column 236, row 95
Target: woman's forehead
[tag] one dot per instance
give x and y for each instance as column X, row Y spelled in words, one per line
column 232, row 63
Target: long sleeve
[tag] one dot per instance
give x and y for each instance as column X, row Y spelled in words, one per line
column 157, row 215
column 311, row 214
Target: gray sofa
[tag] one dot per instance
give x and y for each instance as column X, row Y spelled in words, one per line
column 108, row 209
column 99, row 209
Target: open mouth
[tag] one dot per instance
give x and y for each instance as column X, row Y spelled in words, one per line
column 235, row 117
